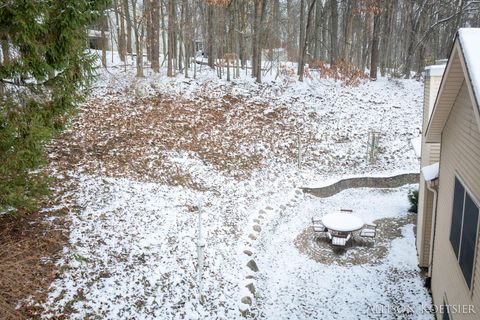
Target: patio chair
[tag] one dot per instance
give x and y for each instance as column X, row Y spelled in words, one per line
column 340, row 240
column 318, row 225
column 369, row 231
column 320, row 229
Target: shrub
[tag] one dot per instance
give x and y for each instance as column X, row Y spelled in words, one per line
column 413, row 199
column 342, row 70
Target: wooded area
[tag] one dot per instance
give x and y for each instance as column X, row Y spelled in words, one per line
column 340, row 38
column 395, row 37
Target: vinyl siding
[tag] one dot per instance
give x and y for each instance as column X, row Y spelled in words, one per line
column 430, row 154
column 460, row 155
column 449, row 91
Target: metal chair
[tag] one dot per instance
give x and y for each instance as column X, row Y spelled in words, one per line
column 318, row 225
column 340, row 240
column 369, row 231
column 320, row 229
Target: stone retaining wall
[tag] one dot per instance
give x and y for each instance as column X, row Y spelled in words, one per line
column 364, row 182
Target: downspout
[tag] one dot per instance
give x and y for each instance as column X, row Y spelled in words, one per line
column 434, row 222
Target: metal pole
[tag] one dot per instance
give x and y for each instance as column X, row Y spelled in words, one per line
column 200, row 256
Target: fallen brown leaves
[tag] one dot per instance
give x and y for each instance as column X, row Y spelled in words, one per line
column 28, row 250
column 138, row 138
column 342, row 70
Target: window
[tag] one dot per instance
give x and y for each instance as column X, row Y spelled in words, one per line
column 463, row 232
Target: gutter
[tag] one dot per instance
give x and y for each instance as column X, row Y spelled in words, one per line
column 431, row 186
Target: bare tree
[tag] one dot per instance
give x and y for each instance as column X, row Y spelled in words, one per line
column 155, row 36
column 103, row 38
column 171, row 38
column 138, row 30
column 333, row 32
column 375, row 39
column 306, row 43
column 126, row 12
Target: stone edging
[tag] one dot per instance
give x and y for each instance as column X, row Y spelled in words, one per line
column 261, row 218
column 364, row 182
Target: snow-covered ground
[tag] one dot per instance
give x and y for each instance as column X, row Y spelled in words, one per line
column 292, row 285
column 143, row 153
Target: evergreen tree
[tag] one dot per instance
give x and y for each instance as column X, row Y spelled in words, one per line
column 45, row 71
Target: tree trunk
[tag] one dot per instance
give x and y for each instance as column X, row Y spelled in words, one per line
column 126, row 10
column 155, row 43
column 256, row 27
column 347, row 34
column 138, row 30
column 317, row 32
column 120, row 31
column 171, row 26
column 334, row 32
column 306, row 44
column 259, row 18
column 103, row 35
column 210, row 37
column 301, row 42
column 290, row 43
column 147, row 15
column 374, row 54
column 186, row 34
column 410, row 39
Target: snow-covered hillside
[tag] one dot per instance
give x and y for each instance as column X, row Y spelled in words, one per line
column 144, row 153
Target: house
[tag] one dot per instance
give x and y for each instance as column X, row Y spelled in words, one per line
column 448, row 228
column 429, row 155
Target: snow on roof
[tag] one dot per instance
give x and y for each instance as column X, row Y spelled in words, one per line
column 431, row 172
column 417, row 146
column 470, row 44
column 435, row 70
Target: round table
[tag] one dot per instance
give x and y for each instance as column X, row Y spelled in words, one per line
column 343, row 222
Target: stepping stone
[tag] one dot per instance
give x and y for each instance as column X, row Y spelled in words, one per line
column 252, row 236
column 283, row 207
column 251, row 288
column 247, row 300
column 244, row 310
column 268, row 208
column 250, row 277
column 256, row 221
column 252, row 265
column 257, row 228
column 247, row 252
column 261, row 212
column 260, row 217
column 298, row 192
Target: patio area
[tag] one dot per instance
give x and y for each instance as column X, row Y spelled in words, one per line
column 358, row 250
column 303, row 275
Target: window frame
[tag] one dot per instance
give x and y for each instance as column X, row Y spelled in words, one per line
column 477, row 203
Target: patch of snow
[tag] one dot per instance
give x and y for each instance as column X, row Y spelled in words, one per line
column 430, row 172
column 293, row 286
column 340, row 221
column 470, row 43
column 417, row 146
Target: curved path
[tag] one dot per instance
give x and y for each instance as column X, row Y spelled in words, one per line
column 248, row 296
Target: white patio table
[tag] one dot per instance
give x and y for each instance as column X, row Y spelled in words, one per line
column 342, row 222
